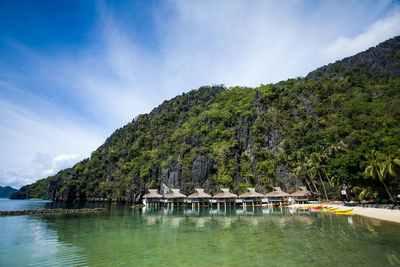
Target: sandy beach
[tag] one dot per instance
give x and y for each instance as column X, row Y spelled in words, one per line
column 376, row 213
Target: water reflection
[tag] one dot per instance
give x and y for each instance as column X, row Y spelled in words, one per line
column 197, row 237
column 200, row 222
column 227, row 217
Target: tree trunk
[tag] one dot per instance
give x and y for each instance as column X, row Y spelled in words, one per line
column 309, row 186
column 388, row 192
column 329, row 180
column 316, row 189
column 305, row 178
column 323, row 185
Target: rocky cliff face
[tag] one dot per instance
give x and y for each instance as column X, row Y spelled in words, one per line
column 374, row 62
column 216, row 137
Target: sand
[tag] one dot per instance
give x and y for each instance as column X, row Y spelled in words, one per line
column 376, row 213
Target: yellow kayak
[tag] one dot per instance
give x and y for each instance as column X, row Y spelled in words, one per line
column 345, row 210
column 328, row 209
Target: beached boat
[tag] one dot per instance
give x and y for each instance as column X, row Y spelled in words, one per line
column 344, row 210
column 315, row 207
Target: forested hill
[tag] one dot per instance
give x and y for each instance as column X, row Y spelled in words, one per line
column 315, row 131
column 6, row 191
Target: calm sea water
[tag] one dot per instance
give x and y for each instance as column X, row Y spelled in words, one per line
column 183, row 237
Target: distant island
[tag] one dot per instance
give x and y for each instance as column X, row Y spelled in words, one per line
column 6, row 191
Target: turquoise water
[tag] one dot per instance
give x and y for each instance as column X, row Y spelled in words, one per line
column 124, row 236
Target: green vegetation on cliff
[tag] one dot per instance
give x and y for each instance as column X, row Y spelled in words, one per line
column 316, row 131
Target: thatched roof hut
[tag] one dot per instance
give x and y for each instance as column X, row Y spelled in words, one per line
column 199, row 194
column 251, row 193
column 302, row 192
column 225, row 194
column 175, row 194
column 153, row 193
column 277, row 192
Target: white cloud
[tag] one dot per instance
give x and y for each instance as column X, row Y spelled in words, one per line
column 24, row 135
column 45, row 165
column 375, row 33
column 15, row 179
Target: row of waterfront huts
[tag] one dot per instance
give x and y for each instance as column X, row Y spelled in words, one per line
column 226, row 198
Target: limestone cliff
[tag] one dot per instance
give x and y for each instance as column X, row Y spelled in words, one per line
column 239, row 137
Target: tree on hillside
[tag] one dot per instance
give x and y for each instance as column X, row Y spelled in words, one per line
column 316, row 167
column 302, row 169
column 336, row 150
column 382, row 171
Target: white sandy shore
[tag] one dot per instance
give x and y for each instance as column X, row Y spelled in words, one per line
column 376, row 213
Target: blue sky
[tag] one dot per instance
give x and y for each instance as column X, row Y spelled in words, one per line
column 71, row 72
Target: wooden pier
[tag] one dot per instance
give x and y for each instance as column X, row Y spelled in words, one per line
column 199, row 198
column 251, row 198
column 302, row 195
column 175, row 198
column 152, row 199
column 226, row 198
column 277, row 196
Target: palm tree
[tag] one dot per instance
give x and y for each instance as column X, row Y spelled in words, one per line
column 302, row 169
column 336, row 150
column 382, row 170
column 317, row 168
column 392, row 166
column 318, row 159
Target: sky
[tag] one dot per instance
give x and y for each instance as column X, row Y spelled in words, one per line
column 72, row 71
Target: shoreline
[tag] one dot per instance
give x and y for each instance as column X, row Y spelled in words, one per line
column 375, row 213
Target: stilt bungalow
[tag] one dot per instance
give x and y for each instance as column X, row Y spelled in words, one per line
column 199, row 198
column 302, row 195
column 225, row 197
column 277, row 196
column 251, row 197
column 152, row 199
column 175, row 198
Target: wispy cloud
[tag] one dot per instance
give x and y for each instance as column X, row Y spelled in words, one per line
column 24, row 135
column 45, row 165
column 375, row 33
